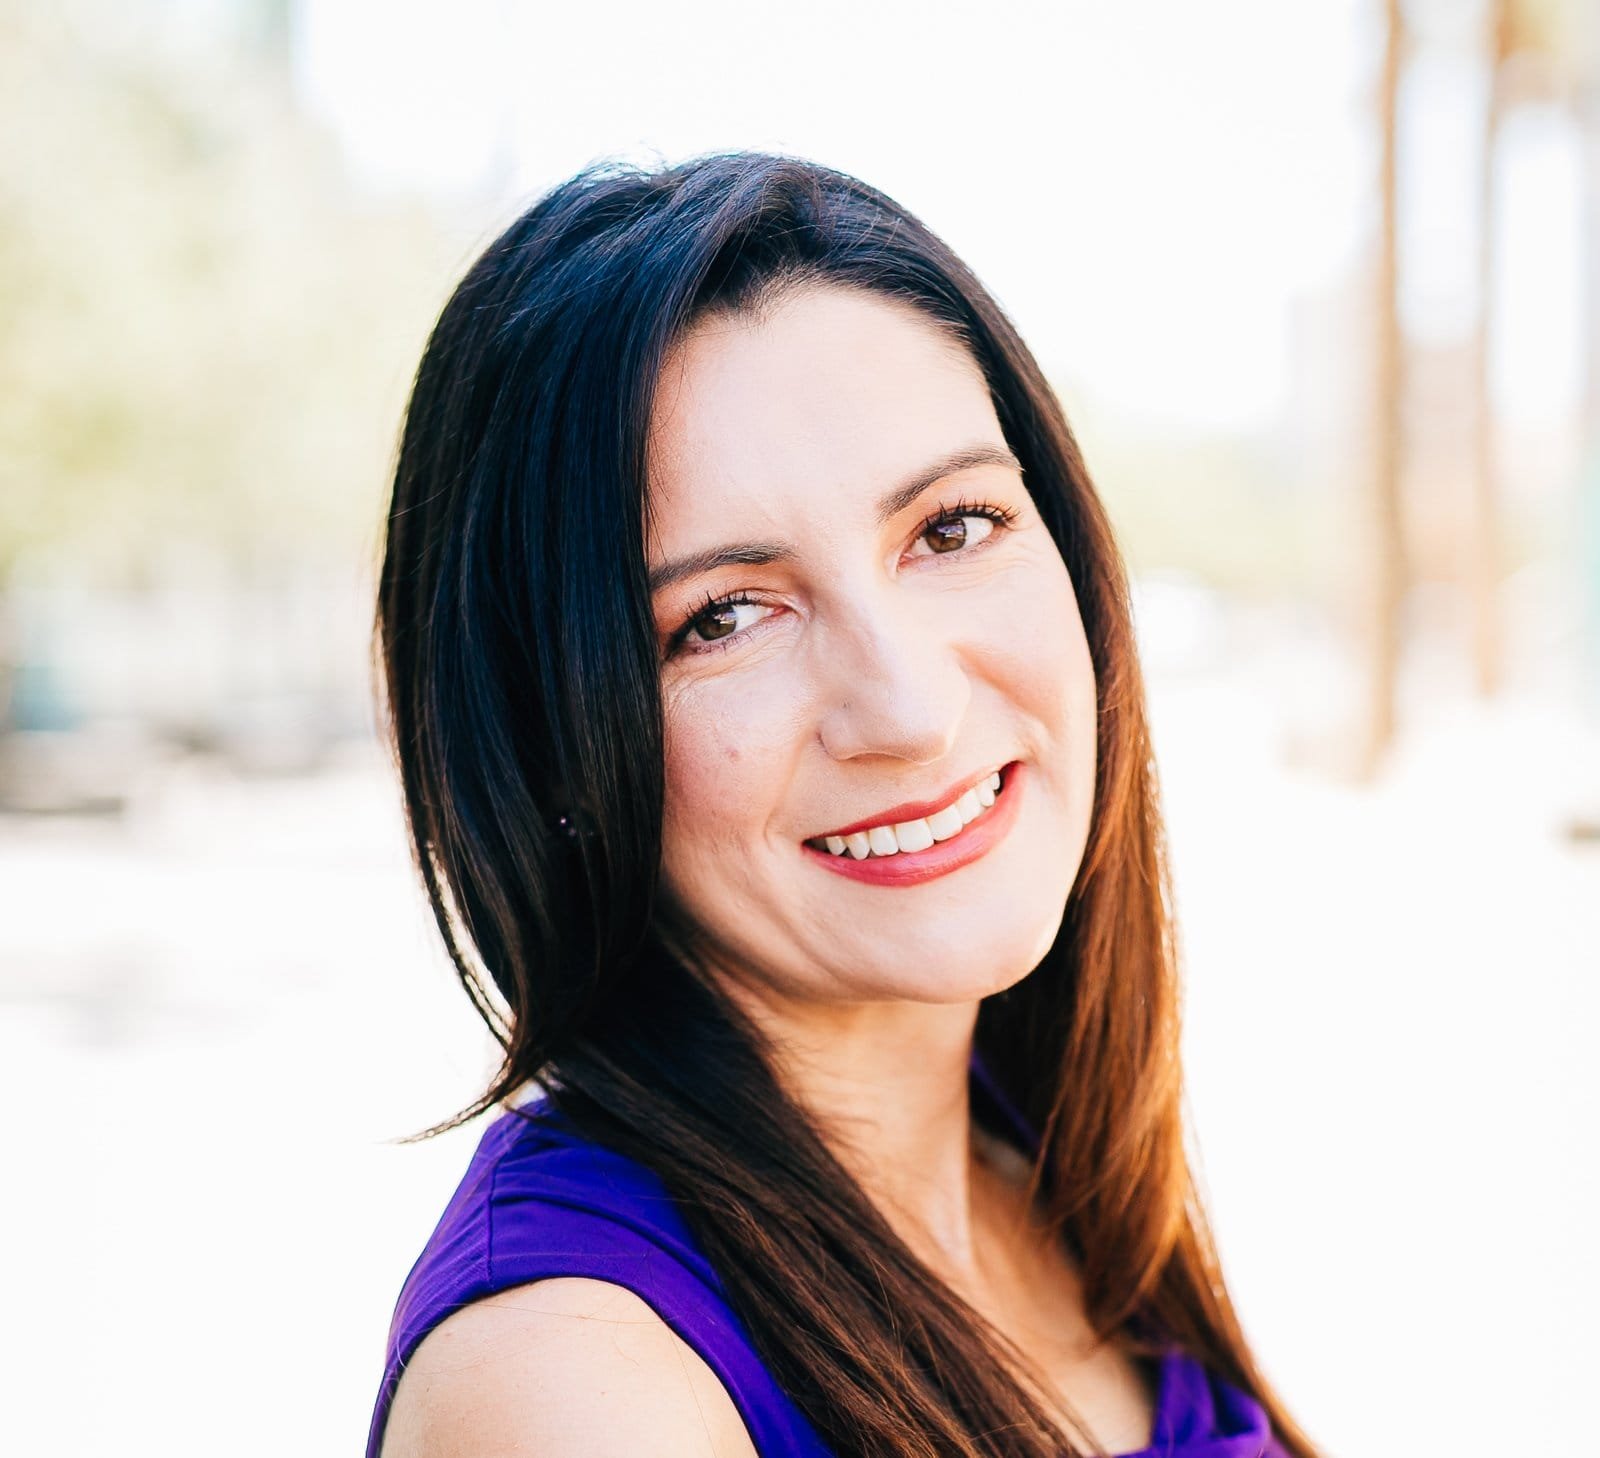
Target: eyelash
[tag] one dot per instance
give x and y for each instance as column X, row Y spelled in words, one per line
column 1001, row 516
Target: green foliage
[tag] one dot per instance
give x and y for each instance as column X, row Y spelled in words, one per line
column 205, row 331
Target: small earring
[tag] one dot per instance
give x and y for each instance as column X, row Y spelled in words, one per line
column 574, row 826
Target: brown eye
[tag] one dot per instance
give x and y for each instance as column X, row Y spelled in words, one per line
column 947, row 536
column 716, row 622
column 720, row 621
column 954, row 533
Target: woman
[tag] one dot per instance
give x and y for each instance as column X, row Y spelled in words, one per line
column 765, row 698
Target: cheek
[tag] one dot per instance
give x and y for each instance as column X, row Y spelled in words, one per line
column 1033, row 643
column 700, row 752
column 725, row 768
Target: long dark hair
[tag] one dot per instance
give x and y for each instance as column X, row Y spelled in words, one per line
column 519, row 662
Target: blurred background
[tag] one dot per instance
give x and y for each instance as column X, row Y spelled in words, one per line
column 1319, row 285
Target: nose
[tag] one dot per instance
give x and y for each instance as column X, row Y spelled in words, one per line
column 894, row 685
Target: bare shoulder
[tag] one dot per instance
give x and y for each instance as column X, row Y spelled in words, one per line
column 570, row 1368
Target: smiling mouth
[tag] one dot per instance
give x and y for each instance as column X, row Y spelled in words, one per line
column 919, row 833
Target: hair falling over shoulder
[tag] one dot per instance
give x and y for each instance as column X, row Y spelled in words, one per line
column 518, row 667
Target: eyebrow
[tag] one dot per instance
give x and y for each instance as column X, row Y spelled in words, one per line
column 890, row 505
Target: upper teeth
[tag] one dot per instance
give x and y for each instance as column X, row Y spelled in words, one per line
column 916, row 835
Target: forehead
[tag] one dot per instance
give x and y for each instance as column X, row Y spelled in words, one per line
column 829, row 394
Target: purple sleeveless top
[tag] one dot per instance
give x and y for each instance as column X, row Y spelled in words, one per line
column 540, row 1200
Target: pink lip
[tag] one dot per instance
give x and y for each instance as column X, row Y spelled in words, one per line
column 910, row 810
column 911, row 868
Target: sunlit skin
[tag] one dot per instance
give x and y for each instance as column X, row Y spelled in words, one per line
column 868, row 669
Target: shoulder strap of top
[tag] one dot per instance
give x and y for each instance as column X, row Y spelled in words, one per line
column 539, row 1201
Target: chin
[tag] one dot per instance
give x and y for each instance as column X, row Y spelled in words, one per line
column 951, row 970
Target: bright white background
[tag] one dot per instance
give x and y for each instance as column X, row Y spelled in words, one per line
column 1149, row 186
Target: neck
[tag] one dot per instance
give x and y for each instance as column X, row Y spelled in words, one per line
column 887, row 1086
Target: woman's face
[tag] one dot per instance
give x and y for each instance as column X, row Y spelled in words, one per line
column 863, row 620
